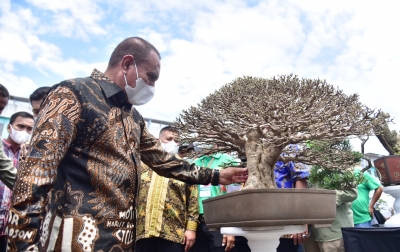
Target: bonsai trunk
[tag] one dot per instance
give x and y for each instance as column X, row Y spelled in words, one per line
column 261, row 160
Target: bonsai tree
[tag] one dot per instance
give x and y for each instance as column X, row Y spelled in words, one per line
column 261, row 118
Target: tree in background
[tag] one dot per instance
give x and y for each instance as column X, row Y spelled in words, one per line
column 336, row 178
column 262, row 118
column 388, row 138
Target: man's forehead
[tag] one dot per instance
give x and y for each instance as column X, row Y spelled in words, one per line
column 170, row 133
column 23, row 120
column 153, row 63
column 36, row 103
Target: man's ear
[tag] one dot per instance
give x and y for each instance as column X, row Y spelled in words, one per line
column 126, row 61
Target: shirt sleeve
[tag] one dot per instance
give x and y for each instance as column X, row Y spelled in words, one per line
column 370, row 181
column 298, row 171
column 193, row 208
column 7, row 169
column 170, row 166
column 345, row 196
column 54, row 131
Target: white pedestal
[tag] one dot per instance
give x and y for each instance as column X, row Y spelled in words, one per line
column 264, row 239
column 394, row 221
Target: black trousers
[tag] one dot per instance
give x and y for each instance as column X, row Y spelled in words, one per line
column 3, row 243
column 155, row 244
column 286, row 245
column 211, row 241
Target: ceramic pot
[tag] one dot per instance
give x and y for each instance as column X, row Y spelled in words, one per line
column 389, row 167
column 271, row 207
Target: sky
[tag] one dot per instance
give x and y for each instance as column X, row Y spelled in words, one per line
column 354, row 45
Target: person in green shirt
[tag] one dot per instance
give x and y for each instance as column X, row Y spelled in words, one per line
column 363, row 209
column 206, row 240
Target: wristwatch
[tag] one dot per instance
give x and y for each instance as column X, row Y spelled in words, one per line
column 215, row 178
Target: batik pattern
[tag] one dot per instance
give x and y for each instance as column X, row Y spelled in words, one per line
column 287, row 174
column 166, row 208
column 79, row 178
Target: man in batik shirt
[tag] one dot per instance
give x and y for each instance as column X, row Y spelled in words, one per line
column 168, row 210
column 76, row 189
column 19, row 129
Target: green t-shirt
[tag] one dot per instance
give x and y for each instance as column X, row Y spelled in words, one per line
column 214, row 161
column 360, row 205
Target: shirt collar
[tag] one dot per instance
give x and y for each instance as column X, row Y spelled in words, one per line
column 9, row 146
column 109, row 88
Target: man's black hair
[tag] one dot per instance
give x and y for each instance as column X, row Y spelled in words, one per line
column 138, row 47
column 21, row 114
column 39, row 94
column 4, row 92
column 168, row 128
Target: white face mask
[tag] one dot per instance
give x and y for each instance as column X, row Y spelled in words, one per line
column 140, row 94
column 170, row 147
column 19, row 137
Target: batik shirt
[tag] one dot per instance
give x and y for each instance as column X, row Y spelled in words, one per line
column 5, row 192
column 167, row 207
column 76, row 189
column 287, row 174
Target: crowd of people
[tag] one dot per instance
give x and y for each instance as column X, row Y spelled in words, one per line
column 77, row 187
column 82, row 173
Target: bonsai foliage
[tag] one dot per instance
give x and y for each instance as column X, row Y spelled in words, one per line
column 261, row 118
column 337, row 178
column 334, row 179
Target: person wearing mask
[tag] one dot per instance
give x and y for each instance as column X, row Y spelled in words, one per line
column 168, row 209
column 19, row 131
column 7, row 169
column 77, row 188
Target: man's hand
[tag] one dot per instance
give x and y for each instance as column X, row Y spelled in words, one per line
column 300, row 237
column 371, row 211
column 229, row 241
column 190, row 237
column 232, row 175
